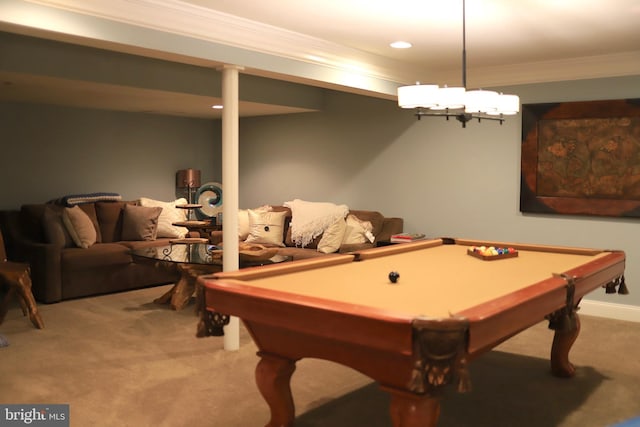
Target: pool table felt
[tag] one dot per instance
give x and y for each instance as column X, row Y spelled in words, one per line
column 434, row 282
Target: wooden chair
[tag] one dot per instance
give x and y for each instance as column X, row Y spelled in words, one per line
column 15, row 278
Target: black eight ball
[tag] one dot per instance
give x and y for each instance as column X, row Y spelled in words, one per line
column 394, row 276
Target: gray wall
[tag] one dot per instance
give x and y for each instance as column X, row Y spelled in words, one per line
column 444, row 180
column 367, row 153
column 48, row 152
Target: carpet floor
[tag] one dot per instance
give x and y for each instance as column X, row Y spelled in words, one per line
column 121, row 360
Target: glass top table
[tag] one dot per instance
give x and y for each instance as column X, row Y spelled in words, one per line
column 206, row 254
column 195, row 259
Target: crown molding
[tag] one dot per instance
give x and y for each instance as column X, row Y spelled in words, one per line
column 566, row 69
column 186, row 19
column 591, row 67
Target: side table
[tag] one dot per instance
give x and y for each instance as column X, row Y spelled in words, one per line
column 203, row 228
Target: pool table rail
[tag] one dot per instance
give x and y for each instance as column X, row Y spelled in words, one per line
column 504, row 317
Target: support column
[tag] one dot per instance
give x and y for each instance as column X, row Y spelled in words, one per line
column 230, row 180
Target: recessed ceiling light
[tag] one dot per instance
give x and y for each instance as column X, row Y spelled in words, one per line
column 400, row 45
column 217, row 107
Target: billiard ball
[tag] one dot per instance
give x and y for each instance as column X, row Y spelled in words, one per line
column 394, row 276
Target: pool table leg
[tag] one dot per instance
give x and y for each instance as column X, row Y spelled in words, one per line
column 563, row 339
column 273, row 377
column 413, row 410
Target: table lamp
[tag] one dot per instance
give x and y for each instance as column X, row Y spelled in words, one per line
column 189, row 179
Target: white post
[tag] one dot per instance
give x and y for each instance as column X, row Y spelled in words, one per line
column 230, row 179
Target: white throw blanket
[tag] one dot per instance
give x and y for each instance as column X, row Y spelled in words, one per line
column 310, row 219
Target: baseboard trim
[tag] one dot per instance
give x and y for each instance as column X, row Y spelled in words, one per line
column 610, row 310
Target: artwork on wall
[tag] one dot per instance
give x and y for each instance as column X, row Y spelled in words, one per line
column 581, row 158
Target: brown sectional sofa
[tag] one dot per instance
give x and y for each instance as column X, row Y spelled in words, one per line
column 382, row 229
column 61, row 271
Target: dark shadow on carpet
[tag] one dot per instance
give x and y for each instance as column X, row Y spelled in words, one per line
column 508, row 390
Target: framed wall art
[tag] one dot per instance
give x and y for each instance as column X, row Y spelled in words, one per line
column 581, row 158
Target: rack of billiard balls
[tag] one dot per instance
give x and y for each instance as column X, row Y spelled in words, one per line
column 490, row 253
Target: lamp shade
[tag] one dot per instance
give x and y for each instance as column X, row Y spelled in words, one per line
column 451, row 98
column 417, row 96
column 508, row 105
column 188, row 178
column 481, row 101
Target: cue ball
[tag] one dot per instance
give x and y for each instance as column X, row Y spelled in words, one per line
column 394, row 276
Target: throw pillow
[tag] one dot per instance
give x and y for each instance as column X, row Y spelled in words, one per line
column 80, row 227
column 357, row 231
column 169, row 215
column 266, row 228
column 54, row 229
column 332, row 237
column 90, row 210
column 375, row 218
column 243, row 221
column 140, row 222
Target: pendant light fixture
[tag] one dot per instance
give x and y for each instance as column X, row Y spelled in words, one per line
column 465, row 105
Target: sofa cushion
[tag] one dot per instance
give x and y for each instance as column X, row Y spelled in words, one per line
column 169, row 215
column 266, row 228
column 96, row 256
column 110, row 219
column 357, row 230
column 54, row 229
column 140, row 222
column 375, row 218
column 80, row 227
column 332, row 237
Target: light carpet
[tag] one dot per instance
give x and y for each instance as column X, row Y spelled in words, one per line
column 121, row 360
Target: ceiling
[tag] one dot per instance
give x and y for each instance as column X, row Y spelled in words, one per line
column 327, row 43
column 498, row 32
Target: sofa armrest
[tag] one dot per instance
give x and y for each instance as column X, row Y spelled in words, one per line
column 9, row 226
column 390, row 226
column 45, row 260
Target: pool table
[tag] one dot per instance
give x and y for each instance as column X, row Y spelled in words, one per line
column 414, row 336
